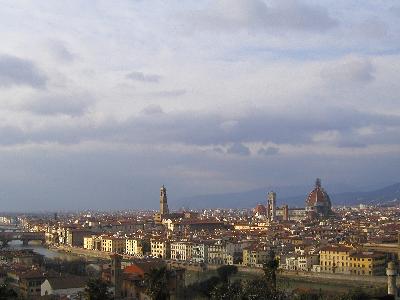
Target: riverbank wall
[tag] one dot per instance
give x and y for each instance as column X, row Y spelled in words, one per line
column 311, row 276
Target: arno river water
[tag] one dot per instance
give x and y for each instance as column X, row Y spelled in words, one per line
column 38, row 248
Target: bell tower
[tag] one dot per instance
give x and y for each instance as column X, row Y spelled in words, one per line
column 163, row 201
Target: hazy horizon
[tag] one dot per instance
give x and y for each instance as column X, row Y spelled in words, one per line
column 103, row 102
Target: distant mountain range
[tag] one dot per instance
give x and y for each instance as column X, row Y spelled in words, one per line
column 293, row 196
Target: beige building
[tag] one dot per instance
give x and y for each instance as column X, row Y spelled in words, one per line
column 113, row 244
column 254, row 256
column 134, row 246
column 225, row 252
column 182, row 250
column 92, row 242
column 160, row 248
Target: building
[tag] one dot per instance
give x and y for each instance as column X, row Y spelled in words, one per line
column 135, row 246
column 301, row 262
column 271, row 206
column 182, row 250
column 64, row 287
column 200, row 253
column 318, row 203
column 254, row 256
column 225, row 252
column 74, row 237
column 88, row 243
column 348, row 260
column 113, row 244
column 30, row 284
column 164, row 210
column 160, row 248
column 134, row 275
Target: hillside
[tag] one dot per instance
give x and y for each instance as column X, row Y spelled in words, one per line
column 293, row 196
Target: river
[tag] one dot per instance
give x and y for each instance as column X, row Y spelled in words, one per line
column 40, row 249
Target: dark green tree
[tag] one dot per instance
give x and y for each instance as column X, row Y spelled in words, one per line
column 270, row 268
column 356, row 294
column 156, row 283
column 7, row 293
column 226, row 272
column 227, row 291
column 97, row 289
column 258, row 289
column 202, row 288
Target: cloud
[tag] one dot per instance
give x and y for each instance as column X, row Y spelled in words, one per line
column 204, row 129
column 60, row 51
column 349, row 70
column 17, row 71
column 256, row 14
column 239, row 149
column 152, row 109
column 169, row 93
column 58, row 104
column 139, row 76
column 269, row 151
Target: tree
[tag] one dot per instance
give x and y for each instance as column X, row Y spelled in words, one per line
column 7, row 293
column 225, row 272
column 202, row 288
column 156, row 283
column 227, row 291
column 356, row 294
column 97, row 289
column 270, row 268
column 258, row 289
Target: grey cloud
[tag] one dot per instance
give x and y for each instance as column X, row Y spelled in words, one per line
column 349, row 70
column 395, row 10
column 351, row 144
column 372, row 28
column 119, row 179
column 140, row 76
column 17, row 71
column 152, row 109
column 72, row 105
column 60, row 51
column 218, row 150
column 194, row 128
column 256, row 14
column 268, row 151
column 169, row 93
column 239, row 149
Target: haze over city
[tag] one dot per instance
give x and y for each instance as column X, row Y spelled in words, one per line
column 102, row 102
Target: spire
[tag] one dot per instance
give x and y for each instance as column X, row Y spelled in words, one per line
column 318, row 183
column 163, row 201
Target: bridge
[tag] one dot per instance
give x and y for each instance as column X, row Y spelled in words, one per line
column 393, row 249
column 4, row 228
column 25, row 237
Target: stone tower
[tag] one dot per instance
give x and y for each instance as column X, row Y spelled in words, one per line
column 163, row 201
column 271, row 206
column 116, row 275
column 391, row 273
column 285, row 212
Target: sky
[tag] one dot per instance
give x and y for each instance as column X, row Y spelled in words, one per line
column 102, row 102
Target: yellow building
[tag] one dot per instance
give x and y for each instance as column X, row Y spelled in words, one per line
column 254, row 256
column 113, row 244
column 92, row 242
column 134, row 246
column 88, row 242
column 160, row 248
column 347, row 260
